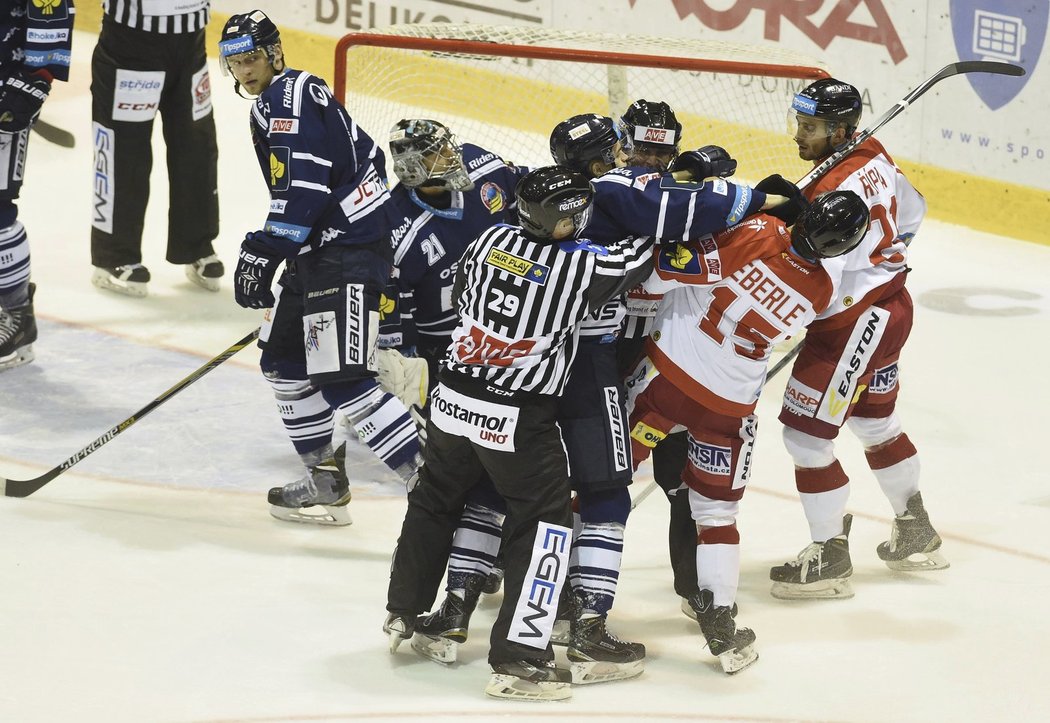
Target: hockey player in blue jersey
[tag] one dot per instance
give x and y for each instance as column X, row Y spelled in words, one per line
column 329, row 222
column 35, row 43
column 446, row 196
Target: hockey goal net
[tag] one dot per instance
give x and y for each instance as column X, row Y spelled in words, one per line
column 505, row 88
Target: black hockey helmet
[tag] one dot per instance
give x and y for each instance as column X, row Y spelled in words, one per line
column 650, row 127
column 425, row 153
column 246, row 32
column 829, row 100
column 579, row 141
column 548, row 195
column 833, row 224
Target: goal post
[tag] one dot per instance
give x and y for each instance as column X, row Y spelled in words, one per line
column 505, row 88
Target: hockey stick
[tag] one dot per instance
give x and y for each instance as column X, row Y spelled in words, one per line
column 24, row 488
column 651, row 487
column 966, row 66
column 54, row 134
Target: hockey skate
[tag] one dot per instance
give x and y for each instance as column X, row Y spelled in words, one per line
column 821, row 571
column 129, row 280
column 734, row 647
column 561, row 632
column 17, row 333
column 596, row 655
column 494, row 581
column 206, row 272
column 320, row 497
column 529, row 680
column 913, row 544
column 439, row 634
column 398, row 628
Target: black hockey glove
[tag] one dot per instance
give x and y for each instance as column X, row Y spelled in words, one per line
column 256, row 266
column 787, row 212
column 20, row 100
column 705, row 162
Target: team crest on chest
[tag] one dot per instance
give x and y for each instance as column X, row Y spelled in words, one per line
column 492, row 197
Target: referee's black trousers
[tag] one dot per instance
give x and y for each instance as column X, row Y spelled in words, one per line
column 533, row 480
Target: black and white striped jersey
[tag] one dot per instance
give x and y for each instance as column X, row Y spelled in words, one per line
column 520, row 304
column 159, row 16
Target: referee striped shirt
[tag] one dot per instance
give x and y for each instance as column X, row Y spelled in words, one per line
column 159, row 16
column 520, row 304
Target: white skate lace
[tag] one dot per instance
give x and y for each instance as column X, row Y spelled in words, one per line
column 811, row 553
column 8, row 326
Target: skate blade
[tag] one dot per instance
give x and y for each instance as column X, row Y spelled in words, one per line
column 204, row 282
column 328, row 515
column 22, row 355
column 919, row 562
column 514, row 688
column 734, row 661
column 597, row 671
column 560, row 634
column 820, row 590
column 687, row 609
column 394, row 638
column 103, row 280
column 440, row 650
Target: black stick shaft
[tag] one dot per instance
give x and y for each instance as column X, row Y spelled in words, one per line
column 24, row 488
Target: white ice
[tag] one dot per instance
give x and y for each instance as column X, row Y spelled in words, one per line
column 149, row 583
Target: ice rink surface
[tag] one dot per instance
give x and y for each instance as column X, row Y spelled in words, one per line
column 149, row 583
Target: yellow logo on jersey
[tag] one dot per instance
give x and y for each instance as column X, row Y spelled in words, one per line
column 276, row 170
column 646, row 435
column 386, row 306
column 837, row 405
column 680, row 256
column 47, row 7
column 528, row 270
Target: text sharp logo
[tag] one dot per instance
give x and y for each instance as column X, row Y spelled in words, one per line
column 993, row 30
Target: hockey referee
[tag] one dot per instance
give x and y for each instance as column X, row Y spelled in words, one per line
column 520, row 293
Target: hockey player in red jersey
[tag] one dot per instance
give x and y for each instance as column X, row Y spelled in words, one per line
column 735, row 294
column 847, row 370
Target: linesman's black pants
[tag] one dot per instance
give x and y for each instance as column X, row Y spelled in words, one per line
column 135, row 74
column 533, row 479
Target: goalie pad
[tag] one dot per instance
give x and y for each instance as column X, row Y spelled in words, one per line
column 407, row 378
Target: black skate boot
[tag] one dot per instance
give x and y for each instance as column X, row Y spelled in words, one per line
column 822, row 570
column 529, row 679
column 205, row 272
column 130, row 280
column 596, row 655
column 734, row 647
column 17, row 333
column 913, row 543
column 439, row 634
column 495, row 578
column 325, row 487
column 398, row 628
column 561, row 633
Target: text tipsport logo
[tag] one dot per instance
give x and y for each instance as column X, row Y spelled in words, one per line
column 1008, row 32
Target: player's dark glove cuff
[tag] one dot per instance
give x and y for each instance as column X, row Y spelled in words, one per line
column 256, row 266
column 778, row 185
column 21, row 97
column 705, row 162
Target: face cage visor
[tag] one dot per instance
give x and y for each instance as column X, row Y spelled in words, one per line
column 242, row 45
column 410, row 164
column 804, row 124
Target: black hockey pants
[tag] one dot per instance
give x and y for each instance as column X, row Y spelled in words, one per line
column 134, row 75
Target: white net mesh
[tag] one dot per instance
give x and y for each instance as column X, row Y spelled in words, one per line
column 733, row 95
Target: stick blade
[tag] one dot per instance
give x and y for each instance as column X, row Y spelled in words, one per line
column 985, row 66
column 55, row 135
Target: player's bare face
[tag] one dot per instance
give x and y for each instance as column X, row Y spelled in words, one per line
column 252, row 70
column 811, row 136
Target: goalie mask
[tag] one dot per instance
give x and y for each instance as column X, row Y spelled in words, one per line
column 582, row 140
column 243, row 37
column 830, row 226
column 551, row 197
column 425, row 153
column 650, row 133
column 823, row 107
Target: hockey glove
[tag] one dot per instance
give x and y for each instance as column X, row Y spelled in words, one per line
column 256, row 267
column 705, row 162
column 788, row 211
column 20, row 100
